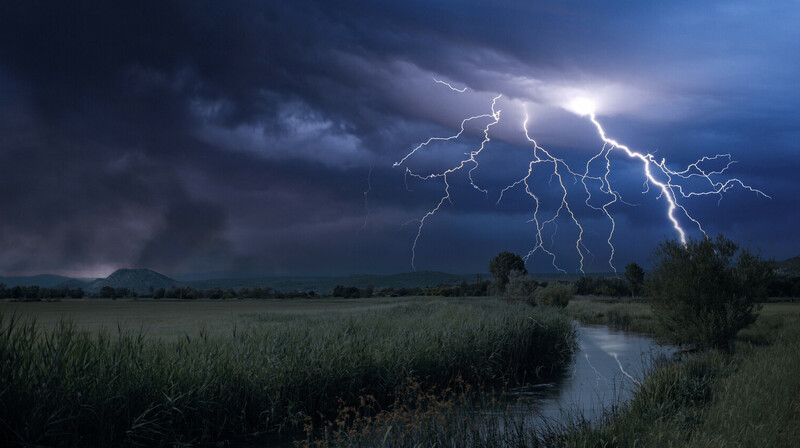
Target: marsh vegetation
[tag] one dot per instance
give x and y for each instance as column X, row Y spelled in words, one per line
column 67, row 386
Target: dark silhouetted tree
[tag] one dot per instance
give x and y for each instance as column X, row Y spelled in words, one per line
column 634, row 274
column 704, row 292
column 501, row 266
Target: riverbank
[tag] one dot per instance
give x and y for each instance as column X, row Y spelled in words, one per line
column 66, row 386
column 706, row 399
column 748, row 398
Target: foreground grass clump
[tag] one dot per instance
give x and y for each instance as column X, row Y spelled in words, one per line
column 67, row 387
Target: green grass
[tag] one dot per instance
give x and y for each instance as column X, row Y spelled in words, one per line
column 62, row 385
column 173, row 319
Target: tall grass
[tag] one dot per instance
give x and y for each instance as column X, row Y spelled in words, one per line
column 68, row 387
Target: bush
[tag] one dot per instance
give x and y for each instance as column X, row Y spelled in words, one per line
column 555, row 294
column 703, row 293
column 521, row 287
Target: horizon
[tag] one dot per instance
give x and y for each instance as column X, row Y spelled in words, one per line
column 313, row 138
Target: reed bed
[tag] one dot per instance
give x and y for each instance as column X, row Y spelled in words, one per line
column 630, row 316
column 69, row 387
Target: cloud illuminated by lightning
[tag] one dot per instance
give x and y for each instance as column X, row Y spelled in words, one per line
column 672, row 186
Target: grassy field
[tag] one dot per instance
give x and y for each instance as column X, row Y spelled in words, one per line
column 257, row 366
column 169, row 318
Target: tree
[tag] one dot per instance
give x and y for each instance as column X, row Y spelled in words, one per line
column 703, row 293
column 634, row 274
column 501, row 266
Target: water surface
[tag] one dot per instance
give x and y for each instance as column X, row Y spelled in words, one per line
column 605, row 370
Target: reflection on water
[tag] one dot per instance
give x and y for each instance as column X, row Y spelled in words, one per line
column 605, row 369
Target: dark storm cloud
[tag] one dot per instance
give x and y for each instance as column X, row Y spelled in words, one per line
column 203, row 136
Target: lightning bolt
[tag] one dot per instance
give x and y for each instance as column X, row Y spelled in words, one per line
column 495, row 118
column 670, row 191
column 461, row 90
column 366, row 199
column 542, row 156
column 673, row 186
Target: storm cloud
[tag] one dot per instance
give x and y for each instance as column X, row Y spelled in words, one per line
column 202, row 137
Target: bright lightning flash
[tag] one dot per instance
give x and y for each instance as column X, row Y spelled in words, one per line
column 673, row 186
column 582, row 106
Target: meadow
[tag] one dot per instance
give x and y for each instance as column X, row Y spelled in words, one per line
column 150, row 373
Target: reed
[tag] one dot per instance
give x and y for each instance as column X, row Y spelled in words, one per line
column 69, row 387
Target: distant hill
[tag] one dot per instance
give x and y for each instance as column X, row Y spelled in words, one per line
column 43, row 281
column 789, row 267
column 139, row 280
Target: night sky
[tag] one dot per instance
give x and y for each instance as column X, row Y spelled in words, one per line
column 206, row 138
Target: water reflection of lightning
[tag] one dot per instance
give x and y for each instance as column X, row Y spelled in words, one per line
column 598, row 375
column 623, row 370
column 673, row 186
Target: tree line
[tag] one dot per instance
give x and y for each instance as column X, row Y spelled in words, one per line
column 464, row 289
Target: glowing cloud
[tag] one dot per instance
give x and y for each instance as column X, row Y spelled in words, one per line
column 582, row 106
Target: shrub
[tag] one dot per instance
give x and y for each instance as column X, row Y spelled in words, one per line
column 703, row 293
column 555, row 294
column 521, row 287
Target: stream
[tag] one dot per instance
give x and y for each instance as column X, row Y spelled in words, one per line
column 605, row 370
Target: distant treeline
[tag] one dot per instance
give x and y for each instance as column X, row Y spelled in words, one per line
column 602, row 286
column 38, row 292
column 464, row 289
column 480, row 288
column 173, row 292
column 780, row 286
